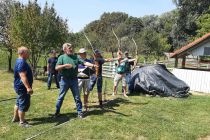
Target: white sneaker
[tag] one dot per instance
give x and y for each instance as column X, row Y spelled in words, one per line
column 113, row 94
column 125, row 95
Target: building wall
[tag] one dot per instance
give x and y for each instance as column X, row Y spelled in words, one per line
column 200, row 50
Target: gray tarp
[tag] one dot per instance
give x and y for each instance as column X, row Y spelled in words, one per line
column 157, row 80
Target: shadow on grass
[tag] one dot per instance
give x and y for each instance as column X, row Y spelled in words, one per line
column 43, row 78
column 109, row 106
column 7, row 99
column 51, row 119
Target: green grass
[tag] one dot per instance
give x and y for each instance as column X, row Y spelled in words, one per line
column 136, row 117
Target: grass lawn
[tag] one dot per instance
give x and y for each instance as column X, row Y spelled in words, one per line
column 136, row 117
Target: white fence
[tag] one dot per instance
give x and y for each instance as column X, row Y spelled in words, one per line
column 197, row 80
column 108, row 69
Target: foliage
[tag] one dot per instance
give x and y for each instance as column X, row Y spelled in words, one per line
column 203, row 24
column 5, row 43
column 152, row 43
column 39, row 30
column 185, row 26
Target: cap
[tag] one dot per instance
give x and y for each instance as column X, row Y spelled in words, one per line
column 97, row 51
column 126, row 52
column 82, row 50
column 52, row 51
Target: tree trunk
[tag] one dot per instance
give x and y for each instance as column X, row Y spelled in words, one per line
column 10, row 60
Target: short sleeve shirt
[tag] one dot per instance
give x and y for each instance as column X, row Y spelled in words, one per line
column 101, row 61
column 52, row 63
column 74, row 60
column 22, row 66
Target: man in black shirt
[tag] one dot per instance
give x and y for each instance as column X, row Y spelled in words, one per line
column 51, row 69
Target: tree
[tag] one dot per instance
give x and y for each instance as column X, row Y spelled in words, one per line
column 185, row 26
column 39, row 30
column 152, row 44
column 203, row 24
column 5, row 8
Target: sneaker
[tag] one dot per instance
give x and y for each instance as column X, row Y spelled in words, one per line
column 15, row 120
column 86, row 108
column 101, row 106
column 56, row 115
column 113, row 94
column 125, row 95
column 80, row 116
column 24, row 124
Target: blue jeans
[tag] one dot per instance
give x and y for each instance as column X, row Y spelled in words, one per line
column 93, row 80
column 49, row 80
column 65, row 84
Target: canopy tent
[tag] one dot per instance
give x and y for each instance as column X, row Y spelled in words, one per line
column 157, row 80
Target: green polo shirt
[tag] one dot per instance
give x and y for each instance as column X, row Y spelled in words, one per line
column 69, row 59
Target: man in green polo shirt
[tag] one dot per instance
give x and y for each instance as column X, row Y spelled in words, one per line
column 67, row 64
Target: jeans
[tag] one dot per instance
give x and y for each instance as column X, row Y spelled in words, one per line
column 93, row 80
column 49, row 80
column 65, row 84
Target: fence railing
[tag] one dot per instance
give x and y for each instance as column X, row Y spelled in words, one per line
column 109, row 69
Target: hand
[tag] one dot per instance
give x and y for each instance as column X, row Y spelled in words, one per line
column 30, row 91
column 68, row 66
column 95, row 66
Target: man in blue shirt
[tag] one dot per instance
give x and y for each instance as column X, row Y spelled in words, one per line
column 51, row 69
column 23, row 80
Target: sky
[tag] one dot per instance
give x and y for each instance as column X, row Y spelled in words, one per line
column 81, row 12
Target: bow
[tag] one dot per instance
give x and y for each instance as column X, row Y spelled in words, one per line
column 136, row 61
column 94, row 55
column 118, row 41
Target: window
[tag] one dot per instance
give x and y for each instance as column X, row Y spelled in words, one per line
column 206, row 51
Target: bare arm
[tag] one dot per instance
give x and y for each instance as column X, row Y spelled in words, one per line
column 60, row 67
column 25, row 82
column 48, row 67
column 90, row 64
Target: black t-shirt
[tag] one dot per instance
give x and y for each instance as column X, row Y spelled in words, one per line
column 52, row 63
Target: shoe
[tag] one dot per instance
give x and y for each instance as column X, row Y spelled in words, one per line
column 101, row 106
column 86, row 108
column 113, row 94
column 15, row 120
column 56, row 115
column 48, row 88
column 125, row 96
column 24, row 124
column 80, row 116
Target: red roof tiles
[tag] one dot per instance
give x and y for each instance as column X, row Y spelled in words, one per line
column 190, row 45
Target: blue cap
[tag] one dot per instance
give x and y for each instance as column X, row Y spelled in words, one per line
column 97, row 51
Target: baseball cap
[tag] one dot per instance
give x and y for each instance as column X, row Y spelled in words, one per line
column 52, row 51
column 97, row 51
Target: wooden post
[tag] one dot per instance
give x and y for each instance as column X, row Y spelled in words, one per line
column 176, row 62
column 183, row 61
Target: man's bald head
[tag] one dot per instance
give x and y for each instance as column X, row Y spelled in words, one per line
column 22, row 49
column 23, row 52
